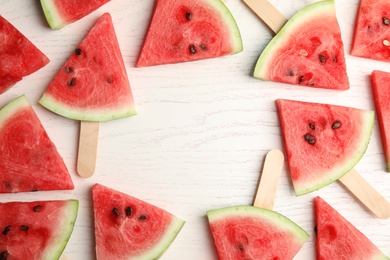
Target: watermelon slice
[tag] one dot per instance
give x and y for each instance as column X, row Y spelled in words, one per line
column 19, row 56
column 307, row 51
column 187, row 30
column 93, row 84
column 60, row 13
column 339, row 239
column 29, row 159
column 323, row 142
column 372, row 32
column 129, row 228
column 36, row 230
column 246, row 232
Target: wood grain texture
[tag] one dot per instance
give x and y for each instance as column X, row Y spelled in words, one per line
column 202, row 131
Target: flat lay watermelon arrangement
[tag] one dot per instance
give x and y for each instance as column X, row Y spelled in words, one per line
column 322, row 142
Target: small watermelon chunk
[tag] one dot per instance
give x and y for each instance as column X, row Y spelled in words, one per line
column 36, row 230
column 129, row 228
column 323, row 142
column 372, row 31
column 246, row 232
column 188, row 30
column 60, row 13
column 93, row 84
column 307, row 51
column 19, row 56
column 337, row 238
column 29, row 159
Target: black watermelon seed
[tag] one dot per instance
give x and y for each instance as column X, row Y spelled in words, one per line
column 37, row 208
column 6, row 230
column 322, row 58
column 68, row 69
column 34, row 189
column 312, row 126
column 78, row 51
column 129, row 211
column 192, row 49
column 188, row 16
column 116, row 211
column 301, row 79
column 203, row 47
column 240, row 247
column 71, row 82
column 24, row 227
column 142, row 217
column 386, row 21
column 310, row 138
column 109, row 80
column 336, row 124
column 4, row 255
column 335, row 59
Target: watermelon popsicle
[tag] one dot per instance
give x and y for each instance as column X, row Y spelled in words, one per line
column 237, row 230
column 356, row 184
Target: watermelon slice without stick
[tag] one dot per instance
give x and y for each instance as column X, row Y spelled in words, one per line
column 306, row 51
column 36, row 230
column 29, row 159
column 187, row 30
column 19, row 56
column 337, row 238
column 372, row 30
column 323, row 142
column 129, row 228
column 60, row 13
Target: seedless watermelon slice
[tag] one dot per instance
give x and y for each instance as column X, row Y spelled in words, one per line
column 36, row 230
column 187, row 30
column 339, row 239
column 129, row 228
column 19, row 56
column 29, row 159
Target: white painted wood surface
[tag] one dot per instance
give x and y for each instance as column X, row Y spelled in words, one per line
column 202, row 130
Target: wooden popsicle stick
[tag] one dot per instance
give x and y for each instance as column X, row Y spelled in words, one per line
column 269, row 180
column 356, row 184
column 88, row 143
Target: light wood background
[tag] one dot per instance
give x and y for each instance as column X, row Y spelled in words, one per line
column 202, row 130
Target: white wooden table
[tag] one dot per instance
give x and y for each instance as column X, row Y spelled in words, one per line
column 202, row 129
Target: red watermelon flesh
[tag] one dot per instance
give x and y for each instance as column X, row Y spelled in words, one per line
column 187, row 30
column 60, row 13
column 29, row 159
column 372, row 30
column 37, row 230
column 322, row 141
column 338, row 239
column 246, row 232
column 381, row 90
column 307, row 51
column 129, row 228
column 93, row 84
column 19, row 56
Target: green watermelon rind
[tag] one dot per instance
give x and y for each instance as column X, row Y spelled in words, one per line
column 301, row 17
column 52, row 16
column 8, row 110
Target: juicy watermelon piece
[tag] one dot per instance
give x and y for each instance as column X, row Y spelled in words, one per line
column 339, row 239
column 323, row 142
column 36, row 230
column 129, row 228
column 60, row 13
column 246, row 232
column 19, row 56
column 372, row 32
column 307, row 51
column 29, row 159
column 187, row 30
column 93, row 84
column 381, row 91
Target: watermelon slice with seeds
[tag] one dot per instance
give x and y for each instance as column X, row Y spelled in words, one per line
column 337, row 238
column 307, row 51
column 372, row 30
column 188, row 30
column 129, row 228
column 29, row 159
column 322, row 141
column 19, row 56
column 93, row 84
column 60, row 13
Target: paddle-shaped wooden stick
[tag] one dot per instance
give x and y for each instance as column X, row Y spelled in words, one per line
column 88, row 143
column 356, row 184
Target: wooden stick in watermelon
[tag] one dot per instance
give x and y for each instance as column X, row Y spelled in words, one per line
column 355, row 183
column 88, row 144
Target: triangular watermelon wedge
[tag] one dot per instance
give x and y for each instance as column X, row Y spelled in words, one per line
column 307, row 51
column 129, row 228
column 337, row 238
column 372, row 30
column 188, row 30
column 322, row 141
column 19, row 57
column 93, row 84
column 37, row 229
column 29, row 159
